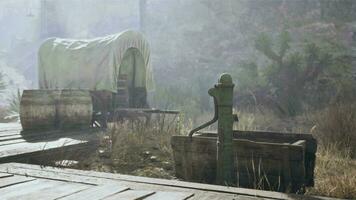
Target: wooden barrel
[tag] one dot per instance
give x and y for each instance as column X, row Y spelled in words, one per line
column 75, row 109
column 38, row 109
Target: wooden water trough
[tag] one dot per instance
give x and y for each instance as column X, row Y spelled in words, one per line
column 262, row 160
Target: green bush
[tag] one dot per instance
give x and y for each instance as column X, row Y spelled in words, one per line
column 293, row 78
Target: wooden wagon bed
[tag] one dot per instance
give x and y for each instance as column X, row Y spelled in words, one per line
column 39, row 147
column 24, row 181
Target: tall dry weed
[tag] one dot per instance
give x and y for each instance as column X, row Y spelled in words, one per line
column 335, row 173
column 336, row 125
column 142, row 148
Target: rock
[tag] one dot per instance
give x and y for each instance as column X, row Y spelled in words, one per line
column 104, row 154
column 153, row 159
column 66, row 163
column 167, row 165
column 146, row 154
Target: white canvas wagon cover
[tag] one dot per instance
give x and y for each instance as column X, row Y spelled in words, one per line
column 92, row 64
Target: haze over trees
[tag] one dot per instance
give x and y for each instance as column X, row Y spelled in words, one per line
column 293, row 62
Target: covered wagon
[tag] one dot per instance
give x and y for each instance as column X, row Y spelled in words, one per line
column 83, row 81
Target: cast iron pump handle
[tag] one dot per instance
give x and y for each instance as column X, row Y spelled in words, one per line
column 215, row 118
column 222, row 83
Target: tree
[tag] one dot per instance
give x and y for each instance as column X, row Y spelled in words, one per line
column 292, row 77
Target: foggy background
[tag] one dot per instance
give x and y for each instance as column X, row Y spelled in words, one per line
column 192, row 41
column 293, row 63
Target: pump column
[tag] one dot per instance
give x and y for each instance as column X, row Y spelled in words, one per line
column 223, row 94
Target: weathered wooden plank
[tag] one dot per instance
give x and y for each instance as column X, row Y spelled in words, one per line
column 42, row 135
column 244, row 148
column 47, row 157
column 21, row 188
column 96, row 192
column 12, row 180
column 169, row 196
column 15, row 149
column 130, row 195
column 46, row 189
column 4, row 175
column 279, row 137
column 57, row 175
column 10, row 137
column 33, row 136
column 41, row 189
column 248, row 161
column 13, row 129
column 271, row 167
column 9, row 142
column 274, row 137
column 242, row 197
column 9, row 133
column 199, row 189
column 10, row 126
column 39, row 137
column 39, row 145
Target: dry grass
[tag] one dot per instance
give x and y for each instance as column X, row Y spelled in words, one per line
column 137, row 148
column 143, row 149
column 336, row 125
column 335, row 130
column 335, row 171
column 266, row 120
column 335, row 174
column 4, row 115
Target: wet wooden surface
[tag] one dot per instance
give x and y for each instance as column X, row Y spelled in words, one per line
column 24, row 181
column 36, row 145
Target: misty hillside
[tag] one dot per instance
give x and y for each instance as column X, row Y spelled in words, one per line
column 293, row 64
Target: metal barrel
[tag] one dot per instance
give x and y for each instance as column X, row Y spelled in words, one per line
column 38, row 109
column 75, row 109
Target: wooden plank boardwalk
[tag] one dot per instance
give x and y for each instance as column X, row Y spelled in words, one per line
column 36, row 147
column 25, row 181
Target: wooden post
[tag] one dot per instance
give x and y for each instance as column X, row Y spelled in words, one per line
column 223, row 93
